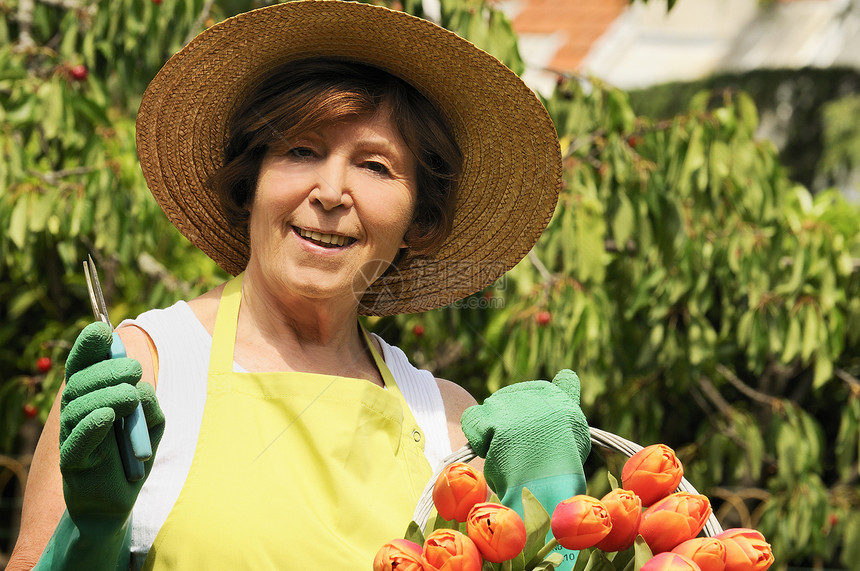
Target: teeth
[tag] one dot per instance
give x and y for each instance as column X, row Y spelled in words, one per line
column 324, row 238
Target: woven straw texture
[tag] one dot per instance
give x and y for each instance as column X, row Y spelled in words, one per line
column 512, row 168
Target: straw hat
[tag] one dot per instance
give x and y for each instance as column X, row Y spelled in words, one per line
column 512, row 165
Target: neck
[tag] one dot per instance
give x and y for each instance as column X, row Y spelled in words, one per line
column 277, row 331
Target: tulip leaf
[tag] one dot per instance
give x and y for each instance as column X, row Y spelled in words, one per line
column 582, row 559
column 599, row 562
column 622, row 559
column 440, row 522
column 551, row 561
column 537, row 522
column 490, row 566
column 413, row 533
column 518, row 563
column 642, row 553
column 613, row 482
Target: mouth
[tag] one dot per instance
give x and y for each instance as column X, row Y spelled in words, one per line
column 324, row 240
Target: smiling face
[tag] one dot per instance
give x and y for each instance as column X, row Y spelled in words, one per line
column 329, row 205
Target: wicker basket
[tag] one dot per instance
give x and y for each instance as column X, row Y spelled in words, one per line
column 598, row 437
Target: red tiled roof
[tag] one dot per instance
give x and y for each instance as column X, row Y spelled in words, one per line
column 581, row 21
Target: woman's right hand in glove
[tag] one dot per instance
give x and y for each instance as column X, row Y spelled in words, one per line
column 98, row 391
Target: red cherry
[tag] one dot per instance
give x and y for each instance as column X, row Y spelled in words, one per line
column 633, row 141
column 834, row 519
column 30, row 411
column 78, row 72
column 43, row 364
column 418, row 330
column 543, row 317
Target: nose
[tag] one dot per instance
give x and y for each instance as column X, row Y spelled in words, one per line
column 332, row 186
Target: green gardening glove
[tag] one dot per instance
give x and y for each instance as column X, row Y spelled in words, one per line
column 94, row 531
column 533, row 435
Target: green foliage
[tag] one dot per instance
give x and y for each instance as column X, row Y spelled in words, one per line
column 811, row 112
column 705, row 299
column 70, row 82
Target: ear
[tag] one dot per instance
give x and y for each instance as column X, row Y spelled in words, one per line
column 410, row 236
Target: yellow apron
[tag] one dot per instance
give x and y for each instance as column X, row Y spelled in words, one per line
column 292, row 470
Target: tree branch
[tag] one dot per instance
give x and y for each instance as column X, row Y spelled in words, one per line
column 714, row 396
column 746, row 389
column 533, row 258
column 55, row 176
column 852, row 381
column 199, row 22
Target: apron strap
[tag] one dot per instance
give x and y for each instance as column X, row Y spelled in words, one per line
column 226, row 323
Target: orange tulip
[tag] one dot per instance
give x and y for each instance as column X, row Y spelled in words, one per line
column 625, row 513
column 673, row 520
column 746, row 549
column 497, row 530
column 399, row 555
column 653, row 473
column 708, row 553
column 580, row 522
column 450, row 550
column 457, row 489
column 669, row 561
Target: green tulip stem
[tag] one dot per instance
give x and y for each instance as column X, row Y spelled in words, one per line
column 545, row 550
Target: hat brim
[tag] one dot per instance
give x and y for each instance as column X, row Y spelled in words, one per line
column 512, row 164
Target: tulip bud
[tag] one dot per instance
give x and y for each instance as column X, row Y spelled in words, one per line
column 673, row 520
column 580, row 522
column 457, row 489
column 652, row 473
column 708, row 553
column 625, row 513
column 670, row 562
column 497, row 530
column 399, row 555
column 746, row 549
column 451, row 550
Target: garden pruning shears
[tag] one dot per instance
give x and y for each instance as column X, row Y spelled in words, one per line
column 131, row 432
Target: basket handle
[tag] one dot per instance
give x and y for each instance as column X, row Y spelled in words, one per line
column 599, row 437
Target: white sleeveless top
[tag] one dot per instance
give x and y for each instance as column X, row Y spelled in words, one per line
column 184, row 346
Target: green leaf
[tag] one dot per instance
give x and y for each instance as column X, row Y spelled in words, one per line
column 791, row 346
column 552, row 561
column 810, row 332
column 537, row 523
column 823, row 370
column 623, row 559
column 613, row 482
column 23, row 301
column 599, row 562
column 413, row 533
column 622, row 223
column 641, row 552
column 39, row 213
column 748, row 112
column 440, row 522
column 18, row 223
column 582, row 559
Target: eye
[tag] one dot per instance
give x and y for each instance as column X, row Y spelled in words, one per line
column 377, row 167
column 302, row 153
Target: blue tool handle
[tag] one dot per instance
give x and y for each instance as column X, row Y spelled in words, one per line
column 132, row 434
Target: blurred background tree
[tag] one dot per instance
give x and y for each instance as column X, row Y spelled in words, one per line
column 707, row 300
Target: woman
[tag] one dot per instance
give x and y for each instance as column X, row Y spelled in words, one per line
column 341, row 160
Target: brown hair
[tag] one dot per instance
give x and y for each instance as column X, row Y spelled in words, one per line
column 305, row 95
